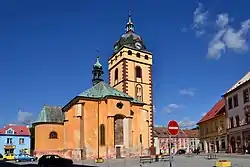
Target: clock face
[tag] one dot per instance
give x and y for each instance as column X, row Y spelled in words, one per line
column 138, row 45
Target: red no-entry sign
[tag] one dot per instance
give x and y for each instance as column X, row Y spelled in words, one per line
column 173, row 128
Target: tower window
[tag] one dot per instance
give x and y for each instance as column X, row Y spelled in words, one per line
column 102, row 135
column 146, row 57
column 116, row 74
column 138, row 55
column 129, row 52
column 138, row 72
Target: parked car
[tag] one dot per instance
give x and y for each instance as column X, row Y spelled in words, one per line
column 9, row 157
column 181, row 151
column 54, row 160
column 24, row 157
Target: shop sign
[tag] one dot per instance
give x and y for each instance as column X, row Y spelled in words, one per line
column 9, row 147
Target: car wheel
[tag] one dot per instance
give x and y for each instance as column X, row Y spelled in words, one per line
column 17, row 160
column 5, row 159
column 31, row 159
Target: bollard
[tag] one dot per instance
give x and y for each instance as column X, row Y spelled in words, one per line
column 223, row 163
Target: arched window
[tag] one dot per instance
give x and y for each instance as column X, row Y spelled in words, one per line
column 129, row 52
column 146, row 57
column 138, row 92
column 138, row 72
column 116, row 74
column 53, row 135
column 102, row 135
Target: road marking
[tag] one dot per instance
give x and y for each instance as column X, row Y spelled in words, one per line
column 171, row 127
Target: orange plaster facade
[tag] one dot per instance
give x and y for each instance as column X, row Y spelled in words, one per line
column 78, row 137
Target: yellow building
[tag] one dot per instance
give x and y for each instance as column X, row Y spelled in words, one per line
column 213, row 131
column 107, row 120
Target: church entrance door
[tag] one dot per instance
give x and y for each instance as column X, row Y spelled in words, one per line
column 118, row 152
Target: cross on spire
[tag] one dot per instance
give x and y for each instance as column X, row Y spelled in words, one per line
column 130, row 25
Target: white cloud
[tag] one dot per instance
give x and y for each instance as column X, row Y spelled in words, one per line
column 187, row 91
column 200, row 17
column 25, row 117
column 225, row 38
column 186, row 123
column 228, row 38
column 203, row 114
column 222, row 20
column 171, row 108
column 154, row 108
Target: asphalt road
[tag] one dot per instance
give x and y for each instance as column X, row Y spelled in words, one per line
column 179, row 161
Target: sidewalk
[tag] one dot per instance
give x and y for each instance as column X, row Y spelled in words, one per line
column 233, row 155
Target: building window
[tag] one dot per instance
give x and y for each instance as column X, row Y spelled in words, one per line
column 138, row 72
column 246, row 96
column 21, row 141
column 146, row 57
column 138, row 92
column 9, row 131
column 232, row 122
column 222, row 124
column 236, row 103
column 230, row 103
column 132, row 113
column 216, row 125
column 247, row 118
column 9, row 141
column 129, row 52
column 237, row 119
column 116, row 74
column 102, row 135
column 53, row 135
column 223, row 144
column 138, row 55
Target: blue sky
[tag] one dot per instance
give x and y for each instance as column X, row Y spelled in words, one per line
column 47, row 50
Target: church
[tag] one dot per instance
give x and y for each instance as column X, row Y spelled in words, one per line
column 111, row 120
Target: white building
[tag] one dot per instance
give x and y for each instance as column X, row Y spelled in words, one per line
column 238, row 114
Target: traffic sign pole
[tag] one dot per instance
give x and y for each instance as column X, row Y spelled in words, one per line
column 170, row 154
column 173, row 130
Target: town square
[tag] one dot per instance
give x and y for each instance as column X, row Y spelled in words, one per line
column 111, row 84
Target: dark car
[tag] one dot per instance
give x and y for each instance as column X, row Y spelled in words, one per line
column 55, row 161
column 181, row 151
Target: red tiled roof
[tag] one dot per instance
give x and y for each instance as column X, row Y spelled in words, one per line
column 162, row 132
column 192, row 133
column 19, row 130
column 219, row 106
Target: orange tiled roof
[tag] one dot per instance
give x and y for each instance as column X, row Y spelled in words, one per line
column 192, row 133
column 217, row 108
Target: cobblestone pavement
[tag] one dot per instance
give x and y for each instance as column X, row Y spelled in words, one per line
column 179, row 161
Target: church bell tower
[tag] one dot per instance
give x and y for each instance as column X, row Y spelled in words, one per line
column 130, row 71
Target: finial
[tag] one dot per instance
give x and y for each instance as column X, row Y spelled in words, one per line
column 130, row 25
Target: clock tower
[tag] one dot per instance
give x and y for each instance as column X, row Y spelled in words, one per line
column 130, row 70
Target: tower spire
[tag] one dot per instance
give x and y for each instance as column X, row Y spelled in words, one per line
column 130, row 27
column 97, row 72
